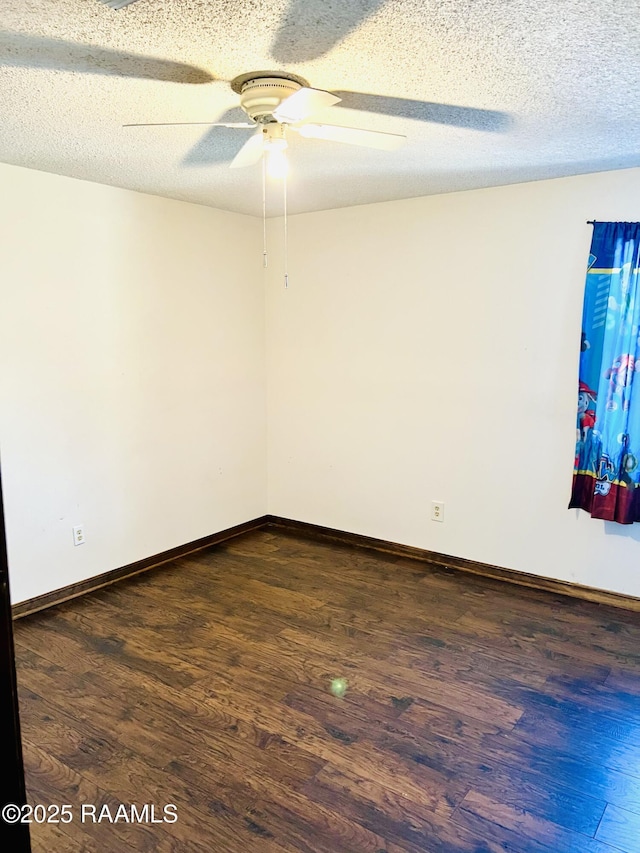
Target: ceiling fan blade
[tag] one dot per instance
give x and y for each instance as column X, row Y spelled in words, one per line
column 243, row 124
column 20, row 50
column 473, row 118
column 304, row 103
column 117, row 4
column 353, row 136
column 250, row 152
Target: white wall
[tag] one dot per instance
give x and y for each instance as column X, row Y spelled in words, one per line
column 428, row 349
column 131, row 375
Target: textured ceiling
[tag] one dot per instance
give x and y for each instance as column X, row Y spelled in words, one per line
column 554, row 86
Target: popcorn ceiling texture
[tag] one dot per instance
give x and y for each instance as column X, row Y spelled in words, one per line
column 72, row 72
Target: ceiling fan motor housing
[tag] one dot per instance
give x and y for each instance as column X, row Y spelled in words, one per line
column 260, row 96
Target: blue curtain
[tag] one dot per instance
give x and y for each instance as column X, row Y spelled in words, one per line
column 606, row 476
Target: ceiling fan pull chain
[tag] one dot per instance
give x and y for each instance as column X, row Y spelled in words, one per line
column 264, row 214
column 286, row 235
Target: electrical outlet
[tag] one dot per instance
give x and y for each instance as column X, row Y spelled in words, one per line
column 437, row 511
column 78, row 534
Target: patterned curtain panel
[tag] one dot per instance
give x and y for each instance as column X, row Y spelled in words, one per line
column 606, row 475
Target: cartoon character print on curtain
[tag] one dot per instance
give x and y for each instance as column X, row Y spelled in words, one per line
column 606, row 477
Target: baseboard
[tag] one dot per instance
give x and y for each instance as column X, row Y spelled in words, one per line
column 564, row 588
column 49, row 599
column 329, row 534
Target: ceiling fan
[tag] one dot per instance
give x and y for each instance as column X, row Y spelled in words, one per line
column 276, row 103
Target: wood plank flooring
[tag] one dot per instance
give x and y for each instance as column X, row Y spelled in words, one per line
column 479, row 717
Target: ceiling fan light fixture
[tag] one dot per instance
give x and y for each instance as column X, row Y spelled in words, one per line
column 277, row 163
column 275, row 144
column 278, row 144
column 275, row 136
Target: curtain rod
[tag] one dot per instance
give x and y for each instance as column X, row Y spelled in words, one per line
column 591, row 222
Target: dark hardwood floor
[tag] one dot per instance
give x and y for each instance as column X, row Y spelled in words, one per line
column 479, row 717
